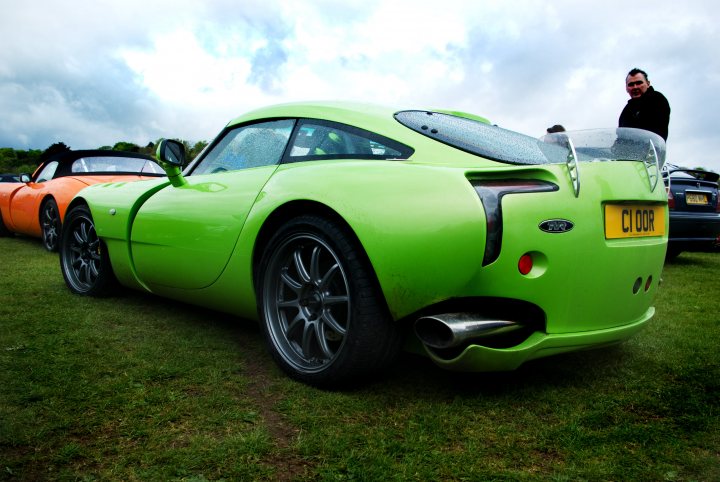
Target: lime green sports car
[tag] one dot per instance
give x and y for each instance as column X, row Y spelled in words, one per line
column 353, row 231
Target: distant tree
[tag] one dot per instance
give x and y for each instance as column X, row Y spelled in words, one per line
column 18, row 161
column 56, row 148
column 197, row 149
column 149, row 149
column 126, row 147
column 8, row 159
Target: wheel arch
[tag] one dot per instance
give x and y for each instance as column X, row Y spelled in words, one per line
column 297, row 208
column 75, row 202
column 48, row 197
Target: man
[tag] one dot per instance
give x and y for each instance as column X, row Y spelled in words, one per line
column 647, row 108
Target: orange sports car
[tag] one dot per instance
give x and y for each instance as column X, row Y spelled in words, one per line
column 36, row 205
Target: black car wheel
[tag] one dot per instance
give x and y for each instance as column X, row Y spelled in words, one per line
column 4, row 231
column 50, row 224
column 320, row 306
column 672, row 253
column 84, row 260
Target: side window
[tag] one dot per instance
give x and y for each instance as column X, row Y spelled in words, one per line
column 326, row 140
column 47, row 172
column 248, row 146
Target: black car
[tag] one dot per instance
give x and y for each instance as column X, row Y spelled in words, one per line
column 6, row 177
column 694, row 207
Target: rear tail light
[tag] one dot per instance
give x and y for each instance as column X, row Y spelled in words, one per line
column 491, row 193
column 671, row 200
column 717, row 204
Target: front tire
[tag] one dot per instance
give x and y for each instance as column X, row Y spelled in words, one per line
column 4, row 231
column 84, row 260
column 50, row 224
column 322, row 313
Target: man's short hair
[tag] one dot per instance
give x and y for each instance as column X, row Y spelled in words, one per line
column 636, row 71
column 555, row 128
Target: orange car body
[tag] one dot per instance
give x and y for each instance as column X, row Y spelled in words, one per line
column 59, row 179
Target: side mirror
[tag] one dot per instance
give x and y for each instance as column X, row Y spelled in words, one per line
column 25, row 178
column 171, row 156
column 171, row 152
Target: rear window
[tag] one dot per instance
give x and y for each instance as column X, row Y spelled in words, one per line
column 489, row 141
column 502, row 145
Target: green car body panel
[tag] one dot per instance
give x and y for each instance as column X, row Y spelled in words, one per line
column 421, row 224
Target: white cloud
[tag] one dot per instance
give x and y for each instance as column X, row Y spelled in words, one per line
column 138, row 70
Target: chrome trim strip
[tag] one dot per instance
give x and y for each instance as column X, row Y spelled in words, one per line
column 652, row 160
column 572, row 165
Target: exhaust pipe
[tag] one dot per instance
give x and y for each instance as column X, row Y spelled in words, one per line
column 452, row 329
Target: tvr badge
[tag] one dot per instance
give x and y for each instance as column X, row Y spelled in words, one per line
column 556, row 226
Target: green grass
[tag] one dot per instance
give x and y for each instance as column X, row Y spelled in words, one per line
column 134, row 387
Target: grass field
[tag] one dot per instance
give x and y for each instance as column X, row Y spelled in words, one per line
column 139, row 388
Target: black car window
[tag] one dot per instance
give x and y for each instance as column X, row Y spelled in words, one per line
column 247, row 146
column 47, row 172
column 329, row 140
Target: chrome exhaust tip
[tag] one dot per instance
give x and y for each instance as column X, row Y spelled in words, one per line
column 449, row 330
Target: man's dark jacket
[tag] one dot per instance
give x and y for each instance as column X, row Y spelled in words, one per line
column 650, row 111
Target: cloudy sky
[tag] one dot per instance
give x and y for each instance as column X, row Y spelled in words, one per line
column 92, row 73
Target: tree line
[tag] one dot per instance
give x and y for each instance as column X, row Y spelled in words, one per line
column 26, row 161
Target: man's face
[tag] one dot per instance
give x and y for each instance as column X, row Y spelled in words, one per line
column 636, row 85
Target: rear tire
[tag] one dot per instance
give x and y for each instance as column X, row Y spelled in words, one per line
column 84, row 259
column 50, row 225
column 672, row 253
column 322, row 312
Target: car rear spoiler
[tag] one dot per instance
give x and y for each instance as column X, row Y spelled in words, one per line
column 696, row 173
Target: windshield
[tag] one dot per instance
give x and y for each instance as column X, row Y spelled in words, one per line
column 107, row 164
column 503, row 145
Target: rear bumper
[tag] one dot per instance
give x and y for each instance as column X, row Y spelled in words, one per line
column 694, row 226
column 476, row 358
column 694, row 232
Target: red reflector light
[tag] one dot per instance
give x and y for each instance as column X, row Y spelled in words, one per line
column 525, row 264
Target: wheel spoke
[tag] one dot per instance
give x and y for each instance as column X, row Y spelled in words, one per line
column 86, row 273
column 315, row 264
column 294, row 324
column 322, row 341
column 285, row 304
column 325, row 281
column 300, row 266
column 329, row 320
column 290, row 282
column 94, row 271
column 307, row 338
column 336, row 299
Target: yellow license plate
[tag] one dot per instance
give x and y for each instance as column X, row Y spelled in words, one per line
column 696, row 198
column 633, row 221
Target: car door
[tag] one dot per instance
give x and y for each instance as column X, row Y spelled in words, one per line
column 25, row 202
column 182, row 237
